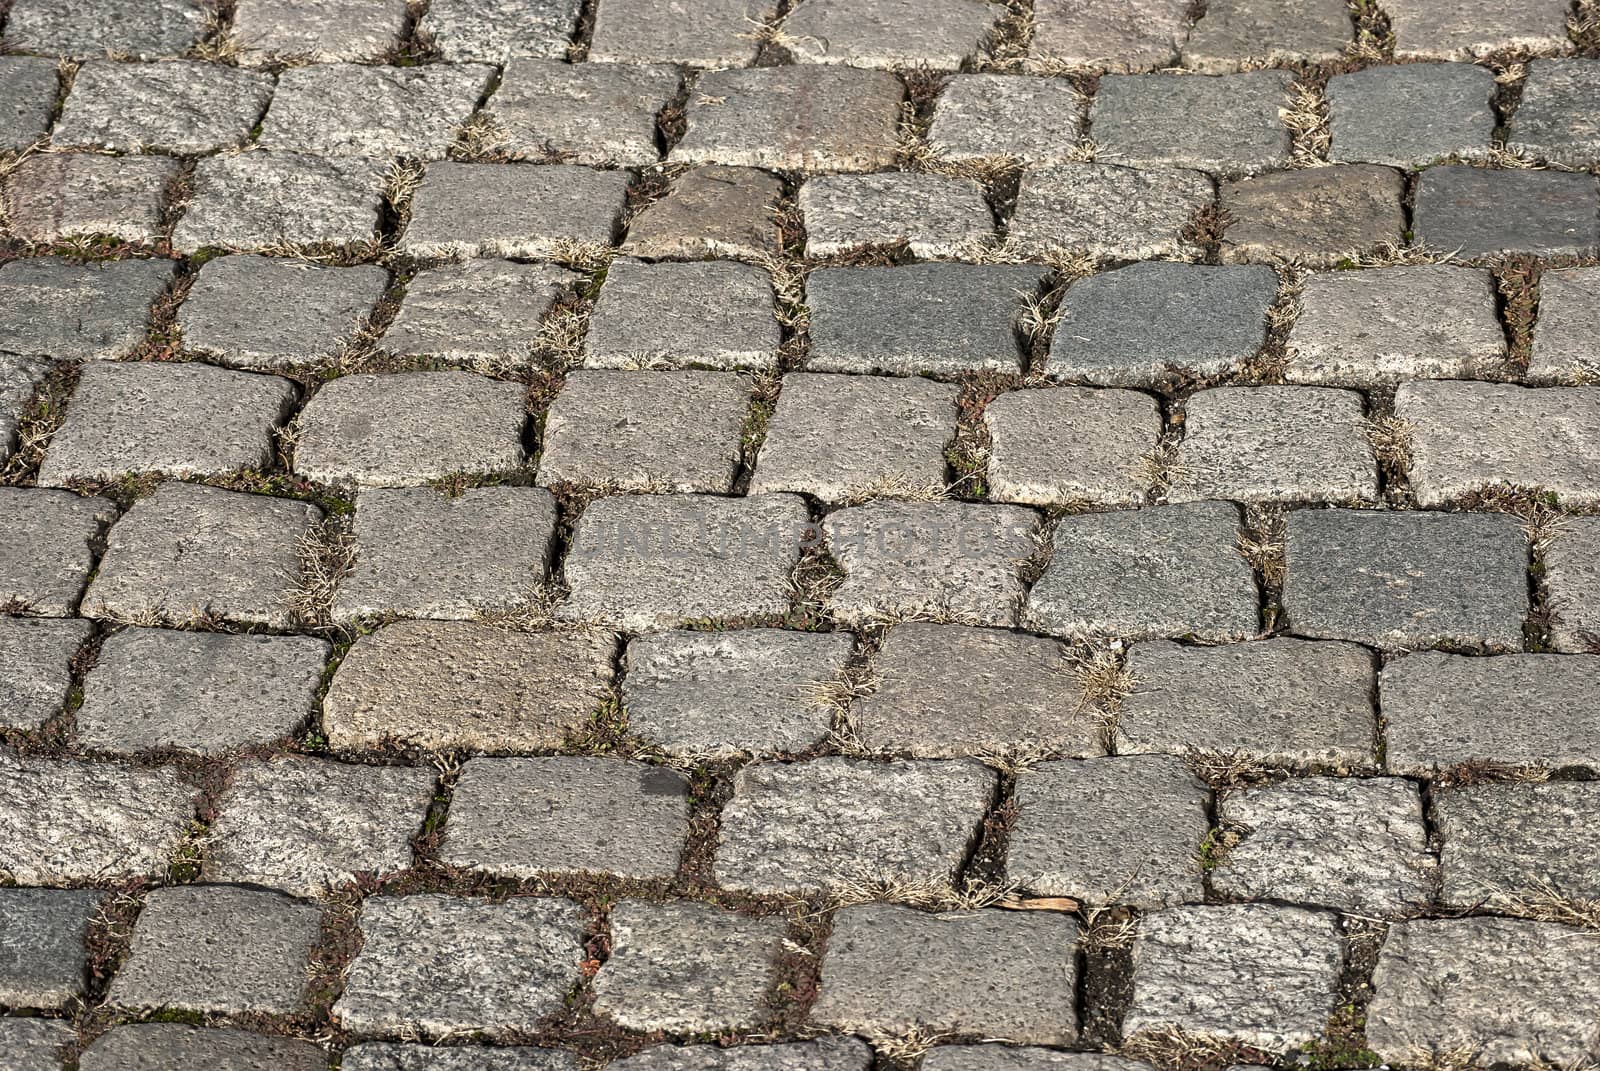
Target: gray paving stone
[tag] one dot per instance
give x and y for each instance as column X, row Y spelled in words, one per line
column 1512, row 848
column 710, row 211
column 1036, row 121
column 1505, row 990
column 567, row 814
column 1555, row 117
column 437, row 964
column 350, row 109
column 696, row 33
column 1316, row 216
column 1070, row 445
column 308, row 825
column 1572, row 578
column 934, row 34
column 1259, row 974
column 51, row 197
column 317, row 31
column 1569, row 317
column 1110, row 831
column 829, row 1053
column 722, row 694
column 175, row 107
column 843, row 437
column 50, row 540
column 65, row 311
column 837, row 823
column 793, row 118
column 1227, row 123
column 587, row 113
column 642, row 321
column 645, row 431
column 1412, row 114
column 28, row 85
column 1363, row 328
column 1106, row 211
column 895, row 971
column 1482, row 213
column 42, row 952
column 1116, row 35
column 493, row 31
column 1406, row 579
column 950, row 690
column 35, row 673
column 162, row 1046
column 1447, row 29
column 654, row 562
column 131, row 29
column 991, row 1057
column 218, row 948
column 935, row 215
column 446, row 686
column 1280, row 701
column 35, row 1044
column 477, row 313
column 687, row 967
column 512, row 210
column 180, row 419
column 420, row 553
column 188, row 552
column 19, row 381
column 1444, row 711
column 919, row 318
column 269, row 200
column 1141, row 574
column 387, row 1056
column 80, row 822
column 1237, row 33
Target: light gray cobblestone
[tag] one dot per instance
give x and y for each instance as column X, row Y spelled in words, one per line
column 56, row 196
column 1034, row 121
column 493, row 31
column 512, row 210
column 932, row 34
column 935, row 215
column 641, row 320
column 132, row 29
column 35, row 667
column 1555, row 117
column 1243, row 33
column 269, row 200
column 480, row 314
column 1572, row 579
column 177, row 107
column 710, row 211
column 1569, row 316
column 695, row 33
column 317, row 31
column 1070, row 445
column 350, row 109
column 829, row 1053
column 1106, row 211
column 1459, row 31
column 587, row 113
column 1118, row 35
column 389, row 1056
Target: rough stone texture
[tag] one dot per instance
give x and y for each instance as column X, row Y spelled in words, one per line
column 387, row 1056
column 1504, row 990
column 180, row 420
column 35, row 1044
column 420, row 553
column 641, row 320
column 266, row 200
column 35, row 668
column 408, row 428
column 1110, row 831
column 493, row 31
column 1412, row 114
column 1444, row 711
column 1510, row 848
column 478, row 313
column 1450, row 29
column 1363, row 328
column 568, row 814
column 919, row 318
column 934, row 215
column 1481, row 213
column 1228, row 123
column 512, row 210
column 188, row 552
column 175, row 107
column 1280, row 701
column 317, row 31
column 645, row 431
column 947, row 690
column 710, row 211
column 55, row 196
column 895, row 971
column 646, row 563
column 686, row 967
column 930, row 34
column 48, row 541
column 1317, row 216
column 721, row 694
column 1572, row 578
column 309, row 825
column 839, row 823
column 65, row 311
column 445, row 686
column 1275, row 444
column 1259, row 974
column 1118, row 35
column 28, row 87
column 991, row 1057
column 163, row 1046
column 42, row 947
column 587, row 113
column 696, row 33
column 1109, row 212
column 1555, row 118
column 72, row 821
column 19, row 380
column 131, row 29
column 1035, row 121
column 793, row 118
column 198, row 691
column 1569, row 319
column 350, row 109
column 218, row 948
column 1406, row 579
column 830, row 1053
column 1070, row 445
column 1235, row 33
column 1138, row 574
column 841, row 437
column 436, row 964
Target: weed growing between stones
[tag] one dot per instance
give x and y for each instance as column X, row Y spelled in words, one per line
column 1306, row 116
column 40, row 420
column 1373, row 41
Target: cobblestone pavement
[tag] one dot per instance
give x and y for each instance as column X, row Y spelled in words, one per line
column 858, row 535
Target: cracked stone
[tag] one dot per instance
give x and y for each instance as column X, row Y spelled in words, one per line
column 35, row 668
column 1482, row 213
column 934, row 215
column 1466, row 29
column 493, row 31
column 48, row 545
column 349, row 109
column 318, row 31
column 1109, row 212
column 1555, row 118
column 477, row 314
column 1572, row 578
column 1070, row 445
column 1316, row 216
column 1240, row 33
column 642, row 321
column 933, row 34
column 182, row 107
column 1036, row 121
column 512, row 210
column 28, row 89
column 1412, row 114
column 268, row 200
column 694, row 33
column 587, row 113
column 162, row 1046
column 54, row 308
column 710, row 211
column 128, row 29
column 1114, row 35
column 1225, row 123
column 1569, row 319
column 1512, row 848
column 55, row 196
column 46, row 932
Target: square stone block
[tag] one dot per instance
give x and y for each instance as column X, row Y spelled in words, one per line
column 493, row 31
column 1316, row 216
column 52, row 197
column 45, row 953
column 642, row 321
column 28, row 87
column 1477, row 212
column 1411, row 114
column 934, row 215
column 1115, row 35
column 1226, row 123
column 269, row 200
column 181, row 106
column 128, row 29
column 48, row 544
column 35, row 667
column 317, row 31
column 694, row 33
column 1245, row 33
column 50, row 307
column 937, row 35
column 1511, row 848
column 1070, row 445
column 1034, row 121
column 350, row 109
column 512, row 210
column 710, row 211
column 585, row 113
column 1109, row 212
column 1555, row 117
column 477, row 313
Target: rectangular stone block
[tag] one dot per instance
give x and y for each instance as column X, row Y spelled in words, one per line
column 477, row 314
column 1572, row 583
column 694, row 33
column 43, row 951
column 28, row 86
column 1109, row 212
column 181, row 106
column 933, row 215
column 641, row 320
column 269, row 200
column 1478, row 212
column 1518, row 848
column 1411, row 115
column 1070, row 445
column 1114, row 35
column 1227, row 123
column 1247, row 33
column 50, row 307
column 350, row 109
column 512, row 210
column 937, row 35
column 318, row 31
column 1317, row 216
column 1034, row 121
column 36, row 657
column 585, row 113
column 54, row 197
column 493, row 31
column 48, row 544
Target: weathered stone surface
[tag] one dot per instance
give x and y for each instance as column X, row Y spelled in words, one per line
column 351, row 109
column 186, row 419
column 1070, row 445
column 1259, row 974
column 1555, row 118
column 990, row 1057
column 1411, row 114
column 35, row 673
column 1510, row 848
column 919, row 318
column 35, row 1044
column 450, row 685
column 512, row 210
column 198, row 691
column 687, row 968
column 710, row 211
column 438, row 964
column 1110, row 831
column 54, row 196
column 309, row 825
column 1480, row 213
column 1569, row 319
column 829, row 1053
column 587, row 113
column 48, row 541
column 1035, row 121
column 642, row 321
column 175, row 107
column 1161, row 571
column 42, row 952
column 1279, row 701
column 934, row 215
column 480, row 312
column 721, row 694
column 844, row 437
column 1118, row 35
column 132, row 29
column 162, row 1046
column 1227, row 123
column 1406, row 579
column 1572, row 578
column 493, row 31
column 1239, row 33
column 65, row 311
column 76, row 822
column 1316, row 216
column 645, row 431
column 387, row 1056
column 654, row 562
column 695, row 33
column 1504, row 990
column 1106, row 211
column 1444, row 710
column 892, row 971
column 793, row 118
column 1450, row 29
column 317, row 31
column 932, row 34
column 28, row 86
column 218, row 948
column 267, row 200
column 189, row 552
column 19, row 381
column 420, row 553
column 836, row 823
column 567, row 814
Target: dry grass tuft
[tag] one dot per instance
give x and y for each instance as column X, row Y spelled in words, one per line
column 1173, row 1049
column 1160, row 468
column 812, row 583
column 1391, row 438
column 905, row 1049
column 1010, row 40
column 41, row 418
column 536, row 612
column 897, row 485
column 1374, row 39
column 1101, row 674
column 789, row 290
column 1231, row 769
column 586, row 257
column 1542, row 515
column 1262, row 544
column 931, row 895
column 480, row 139
column 1485, row 772
column 1543, row 902
column 1392, row 254
column 1583, row 25
column 327, row 552
column 1306, row 116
